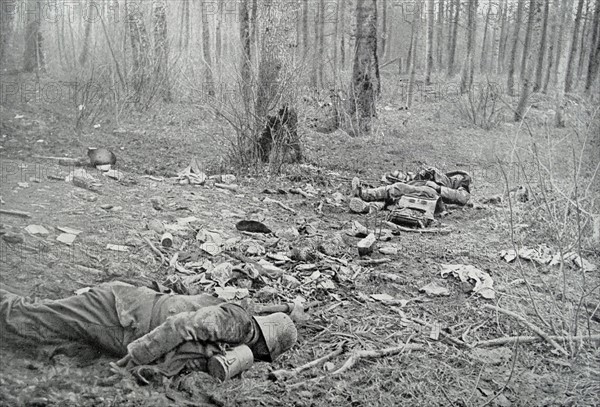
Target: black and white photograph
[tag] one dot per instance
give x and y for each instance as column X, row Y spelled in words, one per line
column 304, row 203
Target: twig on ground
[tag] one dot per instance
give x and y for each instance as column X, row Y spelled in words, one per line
column 362, row 354
column 442, row 231
column 228, row 187
column 20, row 214
column 283, row 374
column 155, row 250
column 530, row 339
column 284, row 206
column 529, row 325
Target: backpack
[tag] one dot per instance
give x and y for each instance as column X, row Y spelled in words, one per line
column 413, row 211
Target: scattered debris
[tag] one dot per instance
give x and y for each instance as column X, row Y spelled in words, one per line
column 366, row 245
column 23, row 184
column 114, row 174
column 483, row 281
column 281, row 204
column 66, row 238
column 166, row 240
column 12, row 237
column 117, row 247
column 69, row 230
column 252, row 226
column 434, row 290
column 37, row 230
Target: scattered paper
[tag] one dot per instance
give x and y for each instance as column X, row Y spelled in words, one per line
column 66, row 238
column 37, row 230
column 117, row 247
column 483, row 281
column 433, row 289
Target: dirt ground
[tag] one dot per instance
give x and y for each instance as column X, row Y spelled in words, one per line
column 151, row 149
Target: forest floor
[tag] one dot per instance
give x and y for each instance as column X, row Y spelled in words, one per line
column 361, row 307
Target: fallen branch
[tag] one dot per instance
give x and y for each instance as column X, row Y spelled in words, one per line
column 442, row 231
column 15, row 213
column 531, row 339
column 362, row 354
column 529, row 325
column 452, row 339
column 284, row 206
column 155, row 250
column 283, row 374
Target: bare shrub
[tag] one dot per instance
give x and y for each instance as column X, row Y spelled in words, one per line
column 480, row 106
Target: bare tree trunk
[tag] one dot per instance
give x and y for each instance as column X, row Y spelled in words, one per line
column 364, row 77
column 411, row 47
column 450, row 28
column 161, row 49
column 321, row 41
column 209, row 84
column 452, row 54
column 413, row 60
column 140, row 50
column 594, row 60
column 343, row 34
column 440, row 35
column 540, row 62
column 384, row 30
column 90, row 18
column 218, row 40
column 527, row 81
column 305, row 29
column 527, row 44
column 336, row 27
column 551, row 42
column 184, row 39
column 482, row 62
column 500, row 62
column 467, row 74
column 495, row 44
column 246, row 57
column 254, row 31
column 573, row 48
column 510, row 87
column 6, row 34
column 564, row 12
column 429, row 44
column 582, row 48
column 34, row 58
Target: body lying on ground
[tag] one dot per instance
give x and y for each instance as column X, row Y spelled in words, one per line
column 431, row 183
column 172, row 332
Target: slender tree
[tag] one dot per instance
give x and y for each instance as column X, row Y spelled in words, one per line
column 573, row 48
column 305, row 43
column 467, row 73
column 542, row 51
column 321, row 41
column 483, row 60
column 513, row 53
column 384, row 29
column 89, row 19
column 34, row 57
column 161, row 49
column 527, row 77
column 429, row 44
column 527, row 43
column 450, row 27
column 209, row 83
column 452, row 51
column 503, row 15
column 413, row 61
column 594, row 60
column 566, row 6
column 246, row 57
column 6, row 33
column 364, row 77
column 551, row 43
column 440, row 35
column 582, row 42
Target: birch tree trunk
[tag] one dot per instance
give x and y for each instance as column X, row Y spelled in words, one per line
column 209, row 84
column 305, row 43
column 321, row 48
column 527, row 81
column 343, row 34
column 34, row 58
column 482, row 62
column 500, row 62
column 551, row 44
column 6, row 34
column 384, row 30
column 429, row 45
column 440, row 35
column 573, row 48
column 594, row 60
column 510, row 86
column 451, row 56
column 469, row 66
column 542, row 51
column 413, row 60
column 566, row 5
column 364, row 77
column 161, row 50
column 527, row 43
column 89, row 20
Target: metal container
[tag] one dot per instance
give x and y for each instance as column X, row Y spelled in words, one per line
column 232, row 363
